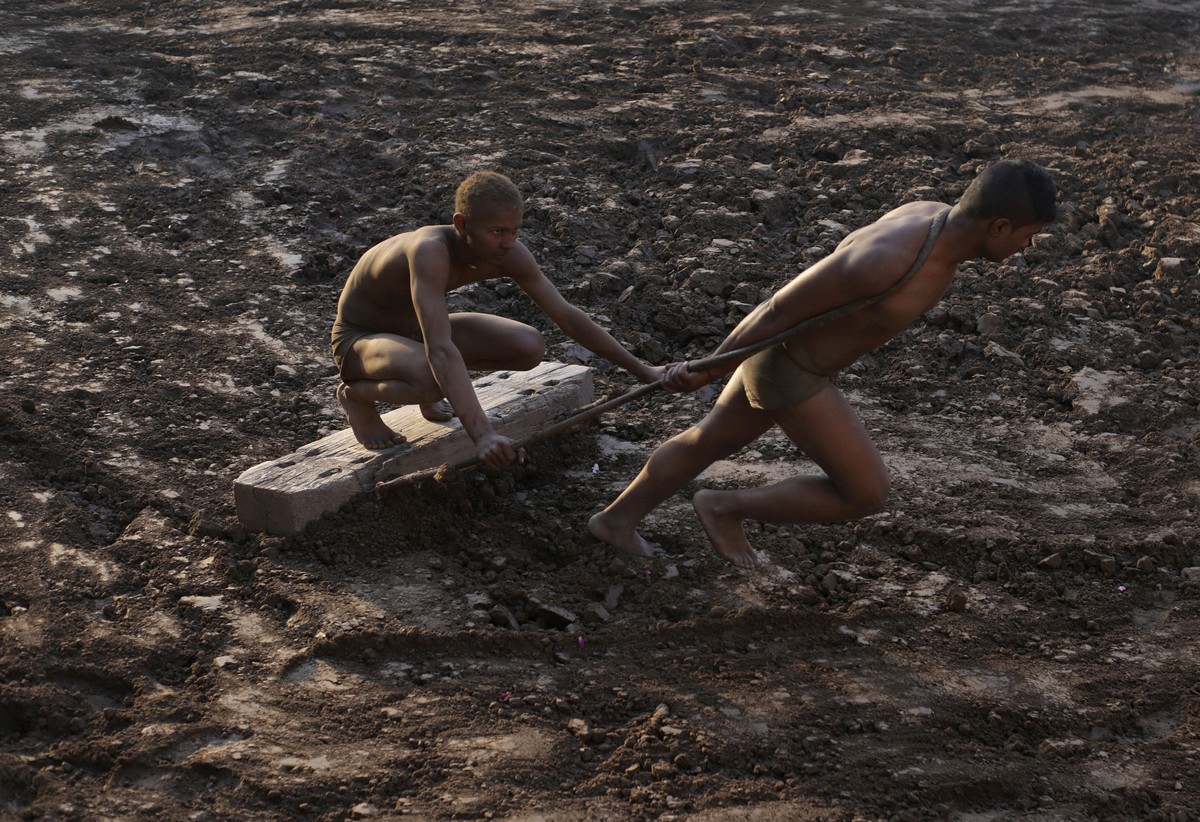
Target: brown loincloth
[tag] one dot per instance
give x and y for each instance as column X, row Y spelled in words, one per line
column 773, row 379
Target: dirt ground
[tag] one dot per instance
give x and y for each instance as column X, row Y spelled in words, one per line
column 185, row 186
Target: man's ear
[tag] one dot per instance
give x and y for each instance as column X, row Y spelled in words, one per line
column 1000, row 226
column 460, row 222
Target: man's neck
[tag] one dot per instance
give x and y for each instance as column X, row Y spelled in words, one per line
column 961, row 240
column 460, row 252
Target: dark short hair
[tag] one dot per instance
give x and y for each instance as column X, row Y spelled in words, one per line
column 487, row 188
column 1017, row 190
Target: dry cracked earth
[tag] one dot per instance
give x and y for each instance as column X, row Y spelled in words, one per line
column 185, row 187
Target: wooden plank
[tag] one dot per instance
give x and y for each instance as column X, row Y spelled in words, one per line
column 284, row 495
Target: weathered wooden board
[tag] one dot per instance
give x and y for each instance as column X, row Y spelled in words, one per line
column 284, row 495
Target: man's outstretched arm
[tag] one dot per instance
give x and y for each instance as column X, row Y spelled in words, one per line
column 574, row 322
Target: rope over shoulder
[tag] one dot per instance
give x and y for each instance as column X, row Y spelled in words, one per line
column 935, row 229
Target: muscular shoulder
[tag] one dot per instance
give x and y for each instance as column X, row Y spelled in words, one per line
column 873, row 255
column 429, row 241
column 423, row 252
column 927, row 208
column 386, row 254
column 890, row 244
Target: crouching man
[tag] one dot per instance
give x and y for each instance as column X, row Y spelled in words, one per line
column 395, row 341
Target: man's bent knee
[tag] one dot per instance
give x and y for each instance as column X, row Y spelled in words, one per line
column 528, row 349
column 870, row 497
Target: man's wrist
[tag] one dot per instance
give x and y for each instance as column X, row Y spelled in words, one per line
column 478, row 429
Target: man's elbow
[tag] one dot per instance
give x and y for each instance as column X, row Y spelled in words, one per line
column 574, row 322
column 440, row 356
column 769, row 312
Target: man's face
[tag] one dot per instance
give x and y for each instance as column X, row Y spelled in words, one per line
column 492, row 233
column 1004, row 240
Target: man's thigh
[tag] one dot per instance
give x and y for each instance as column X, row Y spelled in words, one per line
column 826, row 428
column 385, row 357
column 733, row 423
column 488, row 338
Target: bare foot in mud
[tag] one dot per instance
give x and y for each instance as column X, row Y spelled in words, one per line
column 368, row 427
column 621, row 536
column 440, row 411
column 726, row 533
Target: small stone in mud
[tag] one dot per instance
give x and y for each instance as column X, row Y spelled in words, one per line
column 1146, row 565
column 553, row 616
column 955, row 601
column 1052, row 562
column 763, row 170
column 684, row 762
column 662, row 770
column 1104, row 562
column 806, row 595
column 203, row 525
column 504, row 618
column 479, row 601
column 29, row 406
column 989, row 325
column 594, row 612
column 612, row 596
column 1170, row 268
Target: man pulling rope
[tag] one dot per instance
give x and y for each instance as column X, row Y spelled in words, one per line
column 791, row 383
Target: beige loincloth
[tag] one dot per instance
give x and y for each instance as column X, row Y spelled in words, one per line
column 773, row 379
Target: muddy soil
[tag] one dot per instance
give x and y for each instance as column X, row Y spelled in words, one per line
column 185, row 186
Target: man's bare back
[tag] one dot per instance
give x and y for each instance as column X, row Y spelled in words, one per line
column 875, row 257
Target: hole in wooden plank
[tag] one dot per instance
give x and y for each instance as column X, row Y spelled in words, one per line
column 328, row 472
column 549, row 383
column 285, row 464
